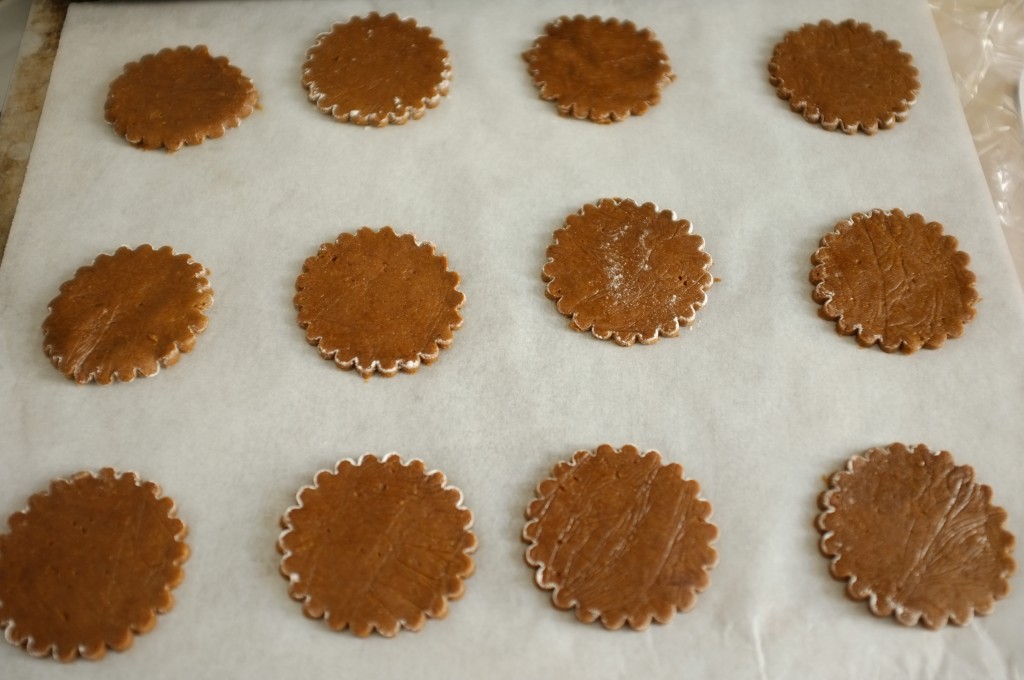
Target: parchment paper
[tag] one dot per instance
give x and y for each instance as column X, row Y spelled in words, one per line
column 758, row 400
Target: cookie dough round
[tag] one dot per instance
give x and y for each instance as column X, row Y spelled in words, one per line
column 376, row 70
column 127, row 314
column 178, row 96
column 88, row 565
column 620, row 537
column 378, row 302
column 893, row 279
column 604, row 70
column 627, row 272
column 916, row 536
column 377, row 545
column 845, row 76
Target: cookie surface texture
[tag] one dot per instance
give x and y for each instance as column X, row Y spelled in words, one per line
column 178, row 96
column 627, row 272
column 376, row 70
column 127, row 314
column 620, row 537
column 377, row 545
column 602, row 70
column 88, row 565
column 916, row 536
column 893, row 279
column 845, row 76
column 377, row 301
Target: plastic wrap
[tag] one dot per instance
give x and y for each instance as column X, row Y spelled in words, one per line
column 984, row 40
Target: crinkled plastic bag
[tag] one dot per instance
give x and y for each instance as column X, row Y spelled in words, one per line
column 984, row 40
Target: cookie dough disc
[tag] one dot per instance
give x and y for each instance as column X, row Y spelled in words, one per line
column 627, row 272
column 620, row 537
column 127, row 314
column 895, row 280
column 377, row 545
column 376, row 70
column 916, row 536
column 377, row 301
column 604, row 70
column 178, row 96
column 847, row 76
column 89, row 564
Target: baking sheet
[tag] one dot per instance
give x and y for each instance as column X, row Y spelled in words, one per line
column 758, row 400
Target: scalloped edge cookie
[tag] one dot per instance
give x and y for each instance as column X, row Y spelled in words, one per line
column 827, row 282
column 613, row 281
column 848, row 121
column 577, row 525
column 20, row 633
column 881, row 600
column 386, row 621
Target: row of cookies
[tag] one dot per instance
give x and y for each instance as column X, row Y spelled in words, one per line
column 380, row 70
column 380, row 302
column 377, row 545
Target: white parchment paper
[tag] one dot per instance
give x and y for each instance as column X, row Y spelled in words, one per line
column 758, row 400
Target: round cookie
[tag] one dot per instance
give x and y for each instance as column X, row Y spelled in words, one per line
column 178, row 96
column 916, row 536
column 376, row 70
column 620, row 537
column 377, row 545
column 893, row 279
column 604, row 70
column 627, row 272
column 88, row 565
column 378, row 302
column 845, row 76
column 127, row 314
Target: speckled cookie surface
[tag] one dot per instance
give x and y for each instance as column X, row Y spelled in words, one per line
column 604, row 70
column 178, row 96
column 627, row 272
column 847, row 76
column 916, row 536
column 620, row 537
column 88, row 565
column 895, row 280
column 127, row 314
column 377, row 545
column 376, row 70
column 378, row 302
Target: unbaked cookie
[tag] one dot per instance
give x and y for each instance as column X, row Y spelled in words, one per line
column 377, row 545
column 178, row 96
column 378, row 302
column 89, row 564
column 604, row 70
column 127, row 314
column 893, row 279
column 376, row 70
column 845, row 75
column 916, row 536
column 620, row 537
column 627, row 272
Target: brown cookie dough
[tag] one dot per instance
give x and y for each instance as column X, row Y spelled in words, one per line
column 916, row 536
column 627, row 272
column 847, row 76
column 178, row 96
column 376, row 70
column 127, row 314
column 895, row 280
column 620, row 537
column 377, row 545
column 377, row 301
column 89, row 564
column 604, row 70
